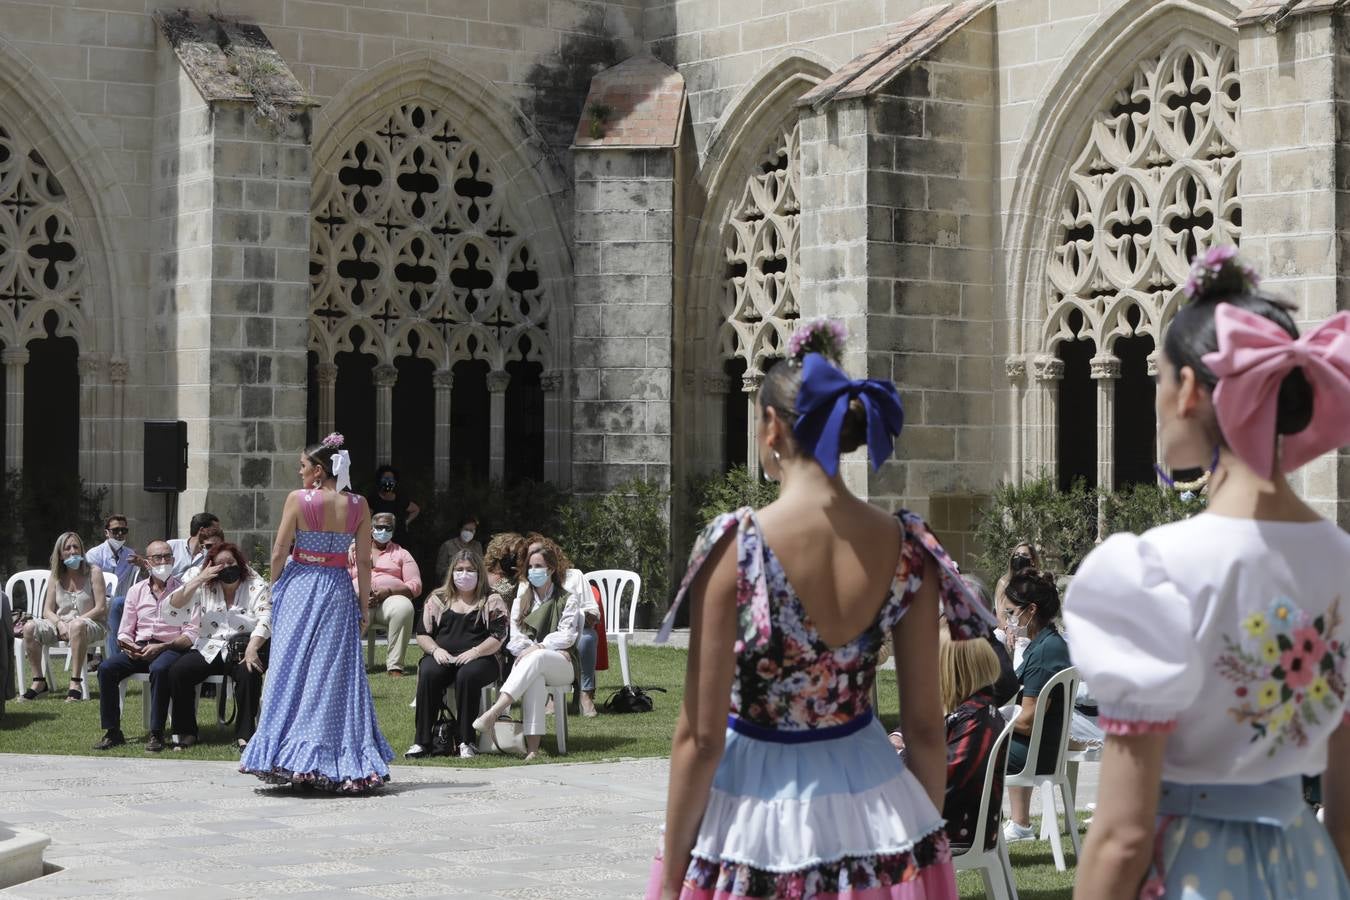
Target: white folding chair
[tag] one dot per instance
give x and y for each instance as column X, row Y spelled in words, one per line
column 34, row 582
column 35, row 586
column 1066, row 681
column 613, row 583
column 994, row 866
column 225, row 684
column 559, row 694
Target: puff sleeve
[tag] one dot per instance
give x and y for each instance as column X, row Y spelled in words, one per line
column 1131, row 637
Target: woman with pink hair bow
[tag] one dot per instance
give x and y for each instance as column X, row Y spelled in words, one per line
column 1216, row 646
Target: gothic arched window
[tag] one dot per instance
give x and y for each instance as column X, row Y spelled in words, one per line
column 1155, row 183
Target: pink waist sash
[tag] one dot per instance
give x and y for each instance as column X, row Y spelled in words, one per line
column 315, row 558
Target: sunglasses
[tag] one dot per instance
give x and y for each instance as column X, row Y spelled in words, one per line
column 117, row 531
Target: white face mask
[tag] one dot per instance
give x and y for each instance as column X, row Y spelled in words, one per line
column 162, row 572
column 466, row 535
column 116, row 544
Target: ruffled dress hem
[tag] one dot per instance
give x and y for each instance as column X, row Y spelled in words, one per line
column 314, row 765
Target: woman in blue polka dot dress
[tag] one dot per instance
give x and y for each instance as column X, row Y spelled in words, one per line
column 318, row 724
column 1216, row 646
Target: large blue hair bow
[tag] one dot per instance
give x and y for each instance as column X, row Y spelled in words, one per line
column 822, row 402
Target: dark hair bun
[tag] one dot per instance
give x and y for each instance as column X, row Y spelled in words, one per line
column 1034, row 586
column 853, row 430
column 1231, row 280
column 1295, row 406
column 322, row 454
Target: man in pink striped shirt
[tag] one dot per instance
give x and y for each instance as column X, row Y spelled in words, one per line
column 395, row 581
column 145, row 644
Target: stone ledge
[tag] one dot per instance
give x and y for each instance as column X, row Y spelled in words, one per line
column 643, row 100
column 1273, row 13
column 913, row 39
column 230, row 60
column 21, row 855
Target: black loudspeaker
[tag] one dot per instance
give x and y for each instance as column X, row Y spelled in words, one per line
column 166, row 453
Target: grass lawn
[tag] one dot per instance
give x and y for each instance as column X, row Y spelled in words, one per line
column 49, row 725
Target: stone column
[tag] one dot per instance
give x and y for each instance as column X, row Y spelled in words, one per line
column 1295, row 155
column 750, row 385
column 1015, row 370
column 898, row 238
column 14, row 359
column 118, row 372
column 384, row 377
column 497, row 383
column 230, row 212
column 1106, row 372
column 443, row 382
column 89, row 365
column 551, row 382
column 1048, row 372
column 326, row 375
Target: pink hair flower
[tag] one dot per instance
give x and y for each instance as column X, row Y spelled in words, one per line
column 334, row 440
column 823, row 336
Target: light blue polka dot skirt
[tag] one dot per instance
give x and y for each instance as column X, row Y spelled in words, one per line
column 317, row 726
column 1243, row 842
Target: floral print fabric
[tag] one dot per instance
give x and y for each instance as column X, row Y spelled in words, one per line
column 1288, row 669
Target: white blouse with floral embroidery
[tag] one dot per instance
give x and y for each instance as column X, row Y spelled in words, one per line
column 1229, row 633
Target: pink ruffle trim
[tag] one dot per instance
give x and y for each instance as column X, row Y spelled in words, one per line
column 1126, row 727
column 935, row 882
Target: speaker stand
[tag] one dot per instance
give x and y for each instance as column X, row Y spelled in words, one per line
column 170, row 513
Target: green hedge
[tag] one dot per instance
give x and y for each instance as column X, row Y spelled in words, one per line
column 1065, row 524
column 33, row 513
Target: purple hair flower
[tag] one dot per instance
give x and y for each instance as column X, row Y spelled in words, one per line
column 823, row 336
column 334, row 440
column 1209, row 267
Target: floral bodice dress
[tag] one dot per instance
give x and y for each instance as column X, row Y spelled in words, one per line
column 810, row 799
column 1229, row 635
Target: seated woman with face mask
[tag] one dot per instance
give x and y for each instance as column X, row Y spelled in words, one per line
column 545, row 623
column 227, row 599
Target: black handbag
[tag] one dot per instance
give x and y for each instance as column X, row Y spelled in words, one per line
column 443, row 734
column 233, row 654
column 631, row 699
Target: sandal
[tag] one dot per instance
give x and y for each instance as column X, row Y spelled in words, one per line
column 33, row 693
column 74, row 693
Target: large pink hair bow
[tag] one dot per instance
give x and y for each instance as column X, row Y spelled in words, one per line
column 1253, row 358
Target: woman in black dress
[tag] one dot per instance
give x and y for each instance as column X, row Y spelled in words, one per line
column 461, row 631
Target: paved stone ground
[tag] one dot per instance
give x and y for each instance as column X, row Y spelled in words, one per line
column 176, row 828
column 173, row 828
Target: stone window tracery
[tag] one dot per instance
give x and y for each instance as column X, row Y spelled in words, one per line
column 1155, row 183
column 759, row 296
column 414, row 254
column 41, row 268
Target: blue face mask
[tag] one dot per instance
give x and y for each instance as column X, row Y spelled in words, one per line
column 73, row 562
column 538, row 577
column 382, row 535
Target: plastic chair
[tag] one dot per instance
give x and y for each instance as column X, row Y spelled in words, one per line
column 226, row 685
column 557, row 691
column 1067, row 681
column 613, row 583
column 35, row 587
column 994, row 866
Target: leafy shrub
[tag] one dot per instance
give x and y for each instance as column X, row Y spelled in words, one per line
column 624, row 529
column 34, row 511
column 1064, row 525
column 716, row 494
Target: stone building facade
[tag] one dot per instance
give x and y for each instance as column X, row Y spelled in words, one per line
column 565, row 239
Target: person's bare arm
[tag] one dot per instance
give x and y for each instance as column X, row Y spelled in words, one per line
column 1119, row 845
column 1026, row 716
column 98, row 588
column 921, row 720
column 281, row 547
column 364, row 540
column 700, row 733
column 1336, row 792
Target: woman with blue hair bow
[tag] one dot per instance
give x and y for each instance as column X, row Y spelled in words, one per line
column 799, row 793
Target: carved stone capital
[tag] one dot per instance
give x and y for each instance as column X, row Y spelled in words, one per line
column 443, row 379
column 326, row 374
column 1105, row 367
column 497, row 382
column 1016, row 369
column 89, row 365
column 384, row 376
column 551, row 382
column 752, row 381
column 14, row 356
column 119, row 370
column 1153, row 364
column 1047, row 368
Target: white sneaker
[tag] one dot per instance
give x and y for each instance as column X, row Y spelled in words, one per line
column 1012, row 832
column 415, row 751
column 467, row 751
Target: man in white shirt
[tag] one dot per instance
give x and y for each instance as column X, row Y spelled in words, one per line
column 188, row 551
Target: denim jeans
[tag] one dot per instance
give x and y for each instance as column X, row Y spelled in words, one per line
column 587, row 642
column 115, row 605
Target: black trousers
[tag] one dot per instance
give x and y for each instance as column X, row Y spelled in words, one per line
column 468, row 679
column 119, row 666
column 192, row 669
